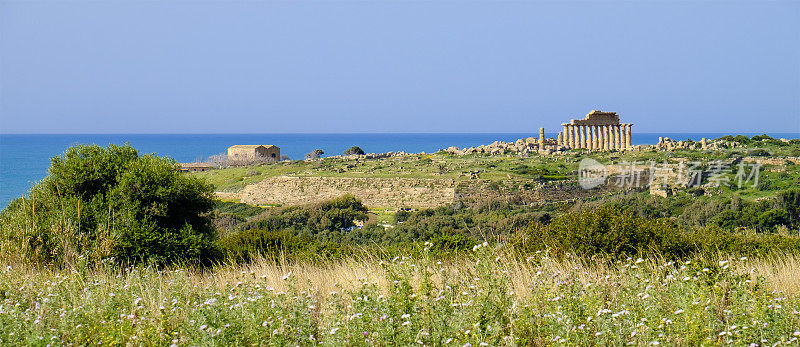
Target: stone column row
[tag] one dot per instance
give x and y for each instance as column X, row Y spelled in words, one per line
column 599, row 137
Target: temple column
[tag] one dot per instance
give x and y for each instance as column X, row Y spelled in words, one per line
column 601, row 138
column 569, row 136
column 564, row 137
column 621, row 135
column 614, row 143
column 616, row 137
column 628, row 135
column 595, row 138
column 541, row 139
column 560, row 140
column 589, row 137
column 607, row 137
column 574, row 136
column 583, row 135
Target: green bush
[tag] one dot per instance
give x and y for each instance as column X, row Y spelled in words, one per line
column 355, row 150
column 448, row 245
column 246, row 245
column 605, row 231
column 111, row 202
column 313, row 219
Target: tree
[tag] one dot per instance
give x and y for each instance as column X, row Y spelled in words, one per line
column 315, row 154
column 355, row 150
column 110, row 202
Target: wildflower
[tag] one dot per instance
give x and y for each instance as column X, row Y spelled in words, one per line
column 448, row 341
column 285, row 277
column 203, row 327
column 638, row 260
column 598, row 333
column 406, row 323
column 334, row 330
column 679, row 311
column 405, row 316
column 264, row 324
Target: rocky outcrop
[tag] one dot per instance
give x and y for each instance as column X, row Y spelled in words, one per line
column 407, row 192
column 373, row 192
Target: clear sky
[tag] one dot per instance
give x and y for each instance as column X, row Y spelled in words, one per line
column 391, row 66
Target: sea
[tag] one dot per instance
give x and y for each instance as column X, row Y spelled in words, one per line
column 24, row 159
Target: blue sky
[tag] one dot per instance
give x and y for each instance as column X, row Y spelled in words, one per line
column 391, row 66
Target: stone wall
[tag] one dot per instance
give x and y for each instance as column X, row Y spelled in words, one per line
column 373, row 192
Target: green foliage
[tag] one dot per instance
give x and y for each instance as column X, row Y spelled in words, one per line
column 355, row 150
column 245, row 245
column 761, row 137
column 758, row 152
column 111, row 202
column 605, row 231
column 329, row 216
column 402, row 215
column 790, row 201
column 450, row 245
column 315, row 154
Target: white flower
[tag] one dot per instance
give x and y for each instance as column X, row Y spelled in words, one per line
column 287, row 276
column 203, row 327
column 406, row 323
column 264, row 324
column 334, row 330
column 679, row 311
column 405, row 316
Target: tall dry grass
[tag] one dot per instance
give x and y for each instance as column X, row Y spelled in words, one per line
column 487, row 296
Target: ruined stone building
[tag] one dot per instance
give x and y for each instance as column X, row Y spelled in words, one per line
column 196, row 167
column 597, row 131
column 254, row 153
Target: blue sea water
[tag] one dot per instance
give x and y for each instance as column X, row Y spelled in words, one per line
column 24, row 159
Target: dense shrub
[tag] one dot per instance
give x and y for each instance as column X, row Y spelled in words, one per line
column 607, row 231
column 313, row 219
column 245, row 245
column 111, row 202
column 449, row 245
column 355, row 150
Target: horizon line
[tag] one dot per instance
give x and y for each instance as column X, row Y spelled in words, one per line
column 401, row 133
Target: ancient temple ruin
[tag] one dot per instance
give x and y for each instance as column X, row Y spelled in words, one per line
column 597, row 131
